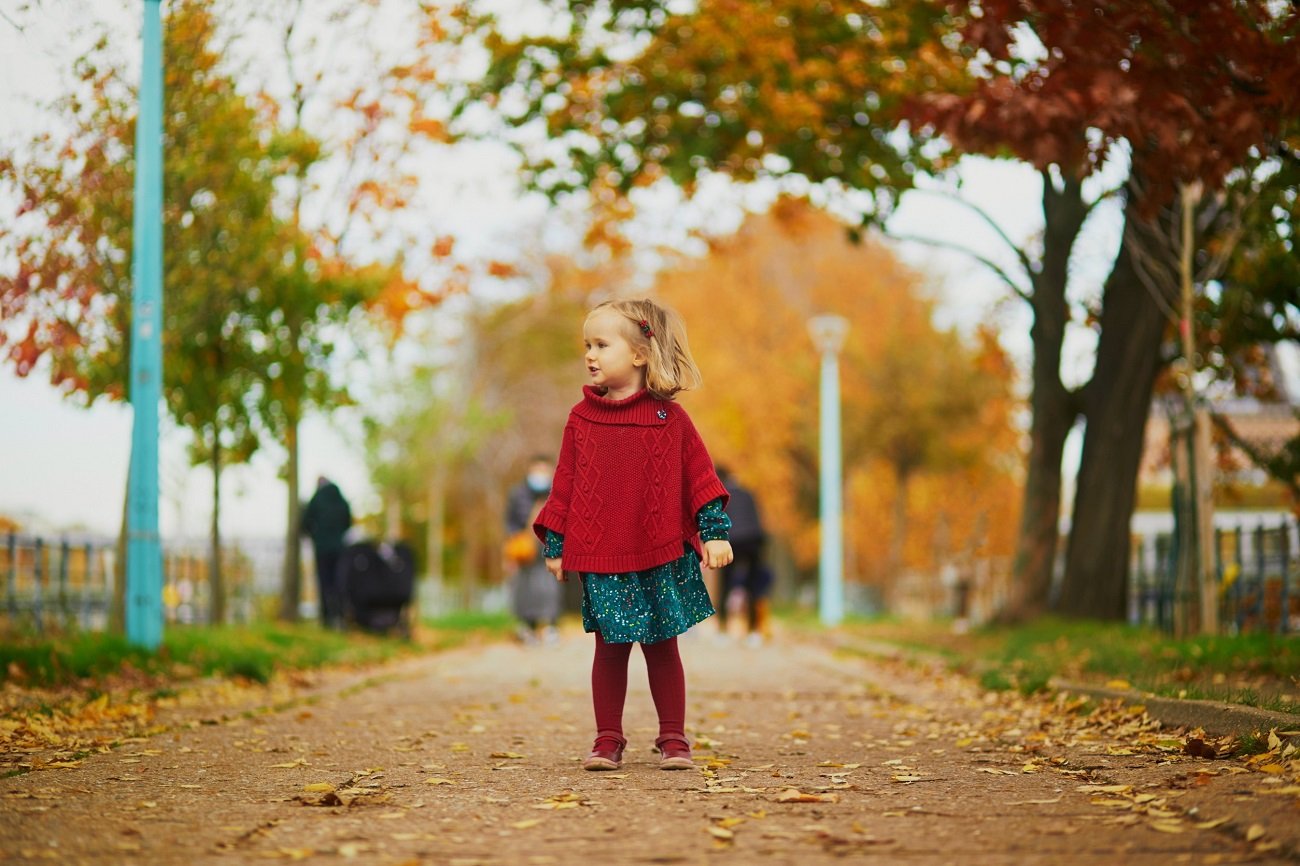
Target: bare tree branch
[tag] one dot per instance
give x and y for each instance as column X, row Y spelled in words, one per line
column 1024, row 295
column 988, row 220
column 1253, row 452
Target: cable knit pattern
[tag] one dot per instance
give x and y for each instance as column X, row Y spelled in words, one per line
column 631, row 476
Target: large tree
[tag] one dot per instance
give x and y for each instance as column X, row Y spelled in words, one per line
column 1191, row 91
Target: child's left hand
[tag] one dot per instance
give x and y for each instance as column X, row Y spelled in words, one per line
column 717, row 554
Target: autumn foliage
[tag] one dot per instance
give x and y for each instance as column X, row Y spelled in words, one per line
column 930, row 452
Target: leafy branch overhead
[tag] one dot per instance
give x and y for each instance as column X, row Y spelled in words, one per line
column 630, row 92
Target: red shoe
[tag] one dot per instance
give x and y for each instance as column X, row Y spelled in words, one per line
column 606, row 754
column 674, row 753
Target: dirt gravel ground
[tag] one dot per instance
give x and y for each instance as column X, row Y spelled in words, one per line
column 472, row 758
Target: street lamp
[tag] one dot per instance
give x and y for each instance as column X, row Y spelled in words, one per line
column 828, row 333
column 144, row 549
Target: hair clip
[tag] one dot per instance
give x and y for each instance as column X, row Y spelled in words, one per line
column 645, row 328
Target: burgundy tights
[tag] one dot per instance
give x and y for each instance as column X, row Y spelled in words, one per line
column 609, row 688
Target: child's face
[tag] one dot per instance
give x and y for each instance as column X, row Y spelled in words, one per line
column 612, row 363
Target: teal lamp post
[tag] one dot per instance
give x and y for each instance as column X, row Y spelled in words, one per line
column 144, row 549
column 828, row 333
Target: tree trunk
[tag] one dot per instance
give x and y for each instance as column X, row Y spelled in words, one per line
column 291, row 585
column 117, row 606
column 898, row 538
column 1116, row 404
column 216, row 582
column 1054, row 408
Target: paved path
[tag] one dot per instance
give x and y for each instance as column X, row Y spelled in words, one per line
column 472, row 757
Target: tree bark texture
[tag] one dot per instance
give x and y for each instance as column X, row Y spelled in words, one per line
column 1116, row 404
column 291, row 591
column 1053, row 407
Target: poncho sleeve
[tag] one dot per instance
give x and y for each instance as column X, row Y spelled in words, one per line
column 555, row 513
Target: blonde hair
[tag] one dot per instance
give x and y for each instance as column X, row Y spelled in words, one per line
column 669, row 365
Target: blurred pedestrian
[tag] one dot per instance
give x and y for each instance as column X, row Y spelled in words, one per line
column 535, row 595
column 326, row 519
column 748, row 574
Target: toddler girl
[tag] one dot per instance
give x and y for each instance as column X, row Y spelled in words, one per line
column 634, row 495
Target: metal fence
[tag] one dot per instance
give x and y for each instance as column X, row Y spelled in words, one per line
column 52, row 584
column 67, row 583
column 1258, row 574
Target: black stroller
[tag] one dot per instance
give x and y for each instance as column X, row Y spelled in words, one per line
column 378, row 582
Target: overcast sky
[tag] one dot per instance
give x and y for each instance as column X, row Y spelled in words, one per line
column 62, row 467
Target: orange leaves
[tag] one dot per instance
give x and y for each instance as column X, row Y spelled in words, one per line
column 761, row 374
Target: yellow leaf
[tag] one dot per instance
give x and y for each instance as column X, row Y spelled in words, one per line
column 512, row 755
column 524, row 825
column 1256, row 831
column 794, row 795
column 1210, row 825
column 301, row 762
column 730, row 822
column 1119, row 684
column 1273, row 769
column 438, row 781
column 721, row 833
column 1103, row 789
column 1167, row 827
column 319, row 787
column 900, row 778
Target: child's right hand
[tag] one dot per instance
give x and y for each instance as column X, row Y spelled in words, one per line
column 555, row 567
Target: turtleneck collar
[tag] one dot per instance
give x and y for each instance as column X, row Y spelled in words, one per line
column 640, row 409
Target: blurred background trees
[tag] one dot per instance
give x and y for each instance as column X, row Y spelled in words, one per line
column 302, row 248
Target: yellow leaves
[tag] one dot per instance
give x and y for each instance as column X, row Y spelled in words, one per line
column 794, row 795
column 319, row 787
column 907, row 778
column 514, row 756
column 438, row 780
column 567, row 800
column 290, row 765
column 1124, row 685
column 1255, row 832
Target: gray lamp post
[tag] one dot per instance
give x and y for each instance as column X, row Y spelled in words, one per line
column 144, row 549
column 828, row 333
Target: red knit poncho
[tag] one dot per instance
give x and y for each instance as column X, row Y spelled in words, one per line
column 631, row 476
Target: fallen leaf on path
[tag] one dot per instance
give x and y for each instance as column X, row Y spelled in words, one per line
column 1256, row 831
column 1034, row 802
column 794, row 795
column 319, row 787
column 524, row 825
column 721, row 833
column 1285, row 790
column 301, row 762
column 1104, row 789
column 900, row 778
column 510, row 755
column 567, row 800
column 439, row 781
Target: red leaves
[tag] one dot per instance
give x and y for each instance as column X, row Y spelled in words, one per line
column 1192, row 88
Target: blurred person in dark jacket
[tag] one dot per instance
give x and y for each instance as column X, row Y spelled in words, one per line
column 326, row 519
column 748, row 572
